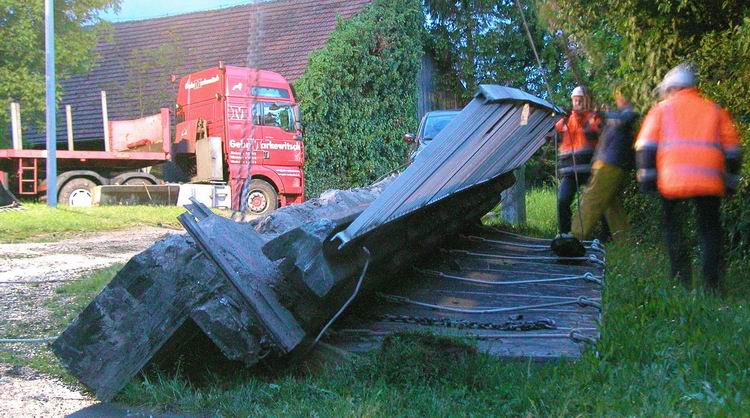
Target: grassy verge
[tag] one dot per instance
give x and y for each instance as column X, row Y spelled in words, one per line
column 40, row 222
column 664, row 351
column 61, row 307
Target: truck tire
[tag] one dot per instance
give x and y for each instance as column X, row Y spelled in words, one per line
column 77, row 192
column 261, row 198
column 138, row 181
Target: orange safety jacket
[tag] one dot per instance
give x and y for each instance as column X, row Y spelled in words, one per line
column 579, row 134
column 689, row 146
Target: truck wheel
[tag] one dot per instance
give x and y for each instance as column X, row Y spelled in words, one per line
column 261, row 198
column 138, row 182
column 77, row 192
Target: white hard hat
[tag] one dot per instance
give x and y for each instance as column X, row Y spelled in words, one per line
column 578, row 91
column 680, row 76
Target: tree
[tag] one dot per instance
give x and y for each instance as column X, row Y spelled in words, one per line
column 634, row 42
column 77, row 27
column 484, row 41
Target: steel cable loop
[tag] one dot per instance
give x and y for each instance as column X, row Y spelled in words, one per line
column 536, row 247
column 581, row 301
column 27, row 340
column 22, row 282
column 595, row 245
column 585, row 302
column 351, row 298
column 592, row 258
column 578, row 337
column 588, row 276
column 513, row 234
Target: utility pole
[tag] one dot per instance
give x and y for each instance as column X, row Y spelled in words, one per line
column 49, row 47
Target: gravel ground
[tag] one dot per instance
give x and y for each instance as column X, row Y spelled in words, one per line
column 29, row 274
column 25, row 393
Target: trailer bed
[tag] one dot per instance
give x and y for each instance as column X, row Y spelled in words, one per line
column 92, row 159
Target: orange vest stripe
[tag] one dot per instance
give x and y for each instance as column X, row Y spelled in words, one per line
column 690, row 156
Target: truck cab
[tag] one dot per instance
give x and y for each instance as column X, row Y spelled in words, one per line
column 253, row 115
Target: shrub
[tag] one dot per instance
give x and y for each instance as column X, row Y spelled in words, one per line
column 358, row 96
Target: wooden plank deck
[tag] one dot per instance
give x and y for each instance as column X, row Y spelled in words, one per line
column 504, row 264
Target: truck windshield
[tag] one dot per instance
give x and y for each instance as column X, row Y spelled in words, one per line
column 278, row 115
column 269, row 92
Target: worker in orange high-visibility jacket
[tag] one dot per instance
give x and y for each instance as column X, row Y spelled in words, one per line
column 688, row 150
column 578, row 134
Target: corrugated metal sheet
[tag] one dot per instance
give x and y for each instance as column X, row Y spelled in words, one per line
column 497, row 132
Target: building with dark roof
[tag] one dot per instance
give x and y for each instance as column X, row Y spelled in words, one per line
column 137, row 59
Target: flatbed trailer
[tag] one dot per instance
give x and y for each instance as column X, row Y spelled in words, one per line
column 9, row 159
column 234, row 126
column 131, row 145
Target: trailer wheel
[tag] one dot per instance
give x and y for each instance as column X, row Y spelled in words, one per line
column 77, row 192
column 261, row 198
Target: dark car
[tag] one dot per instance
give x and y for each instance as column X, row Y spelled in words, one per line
column 432, row 123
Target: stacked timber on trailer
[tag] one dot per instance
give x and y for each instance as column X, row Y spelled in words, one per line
column 270, row 288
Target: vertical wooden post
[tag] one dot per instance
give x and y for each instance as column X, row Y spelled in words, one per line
column 15, row 126
column 69, row 121
column 105, row 119
column 513, row 199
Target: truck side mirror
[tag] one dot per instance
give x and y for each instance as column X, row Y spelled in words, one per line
column 409, row 138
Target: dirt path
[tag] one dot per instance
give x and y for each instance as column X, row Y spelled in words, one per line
column 72, row 257
column 29, row 274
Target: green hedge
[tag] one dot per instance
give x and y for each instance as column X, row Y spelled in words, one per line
column 358, row 96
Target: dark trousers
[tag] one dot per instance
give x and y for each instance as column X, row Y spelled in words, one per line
column 565, row 195
column 709, row 230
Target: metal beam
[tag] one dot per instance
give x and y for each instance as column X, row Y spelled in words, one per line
column 49, row 45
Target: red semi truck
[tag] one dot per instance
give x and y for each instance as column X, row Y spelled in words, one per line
column 231, row 124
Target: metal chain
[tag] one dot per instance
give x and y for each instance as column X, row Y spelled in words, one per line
column 513, row 324
column 364, row 334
